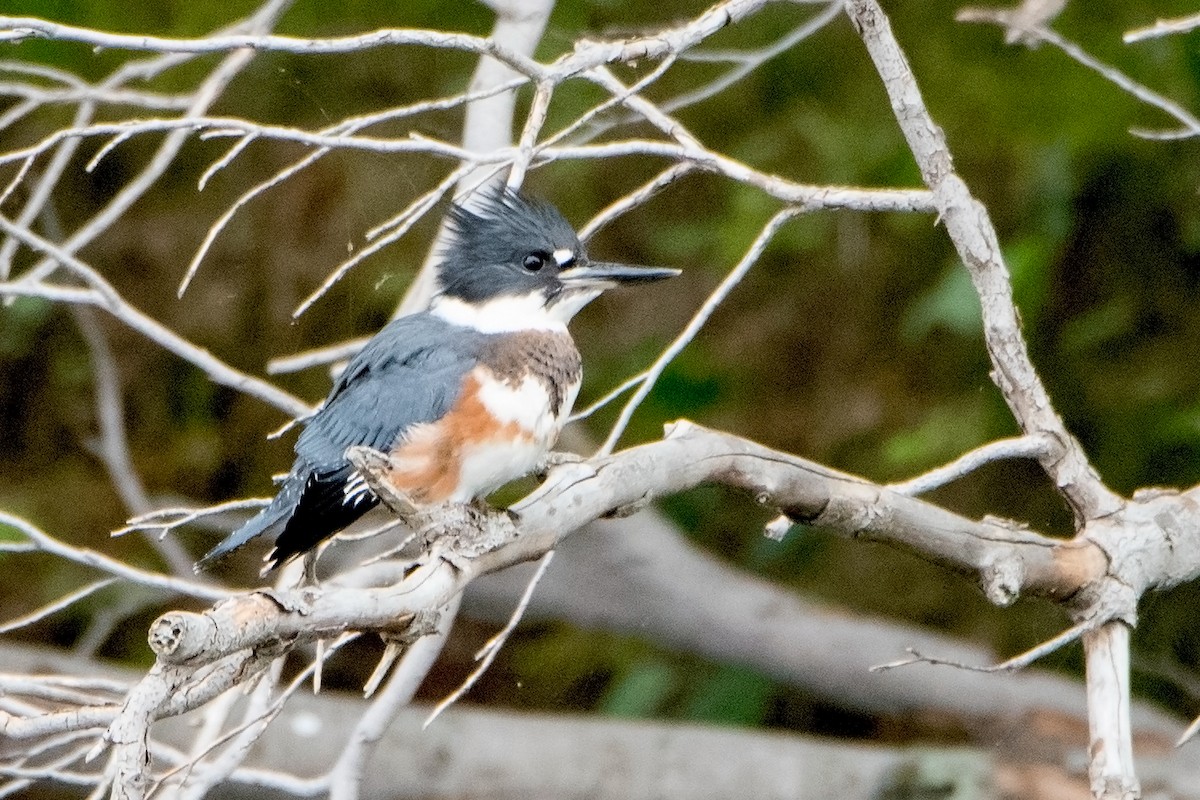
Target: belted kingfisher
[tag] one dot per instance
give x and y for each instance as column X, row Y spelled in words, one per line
column 464, row 396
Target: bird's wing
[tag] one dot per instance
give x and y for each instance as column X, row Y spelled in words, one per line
column 409, row 373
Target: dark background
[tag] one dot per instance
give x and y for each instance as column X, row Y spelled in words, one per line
column 855, row 342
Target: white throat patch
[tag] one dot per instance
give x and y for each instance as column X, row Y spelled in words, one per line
column 502, row 314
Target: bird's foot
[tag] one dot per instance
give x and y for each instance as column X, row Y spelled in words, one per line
column 375, row 467
column 310, row 568
column 484, row 510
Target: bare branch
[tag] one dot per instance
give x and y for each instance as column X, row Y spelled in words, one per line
column 491, row 648
column 105, row 296
column 1013, row 558
column 610, row 396
column 387, row 233
column 1016, row 447
column 1163, row 27
column 117, row 569
column 1021, row 20
column 165, row 155
column 1013, row 664
column 975, row 239
column 1111, row 766
column 255, row 718
column 165, row 520
column 1037, row 35
column 233, row 127
column 636, row 198
column 65, row 601
column 345, row 128
column 316, row 357
column 695, row 324
column 113, row 445
column 346, row 774
column 488, row 124
column 748, row 61
column 25, row 27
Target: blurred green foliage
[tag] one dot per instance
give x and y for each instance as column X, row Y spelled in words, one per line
column 854, row 342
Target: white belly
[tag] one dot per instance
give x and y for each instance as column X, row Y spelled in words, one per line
column 525, row 408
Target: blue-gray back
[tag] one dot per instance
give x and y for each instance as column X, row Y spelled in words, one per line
column 409, row 373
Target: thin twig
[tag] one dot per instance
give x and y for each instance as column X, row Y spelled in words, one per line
column 165, row 155
column 1163, row 27
column 1013, row 664
column 1015, row 447
column 105, row 296
column 611, row 395
column 1113, row 75
column 643, row 194
column 91, row 558
column 65, row 601
column 696, row 323
column 113, row 446
column 392, row 230
column 391, row 37
column 491, row 648
column 317, row 357
column 166, row 519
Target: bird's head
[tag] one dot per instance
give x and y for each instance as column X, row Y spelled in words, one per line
column 514, row 263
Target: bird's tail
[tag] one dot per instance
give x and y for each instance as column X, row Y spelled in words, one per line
column 271, row 519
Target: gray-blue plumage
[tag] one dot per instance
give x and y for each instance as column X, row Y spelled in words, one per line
column 506, row 253
column 486, row 257
column 409, row 373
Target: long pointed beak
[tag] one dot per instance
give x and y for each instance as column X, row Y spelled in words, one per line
column 605, row 275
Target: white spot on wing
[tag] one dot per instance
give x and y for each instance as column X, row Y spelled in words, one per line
column 355, row 490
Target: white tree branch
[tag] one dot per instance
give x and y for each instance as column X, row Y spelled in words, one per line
column 1163, row 27
column 1040, row 34
column 971, row 231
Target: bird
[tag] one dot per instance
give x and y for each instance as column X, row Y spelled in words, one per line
column 464, row 396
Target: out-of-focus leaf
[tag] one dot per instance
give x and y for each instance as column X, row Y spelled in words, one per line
column 951, row 303
column 731, row 695
column 946, row 432
column 1094, row 327
column 21, row 324
column 641, row 691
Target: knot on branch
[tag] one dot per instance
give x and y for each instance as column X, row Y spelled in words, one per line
column 679, row 429
column 179, row 636
column 458, row 533
column 1002, row 580
column 1148, row 542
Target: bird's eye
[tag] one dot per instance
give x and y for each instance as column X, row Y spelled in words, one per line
column 535, row 261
